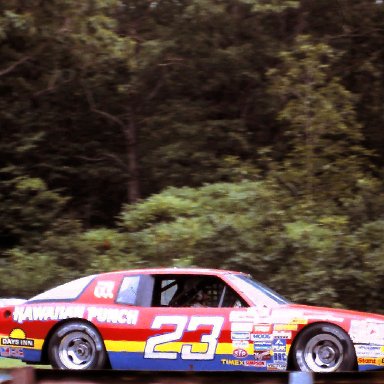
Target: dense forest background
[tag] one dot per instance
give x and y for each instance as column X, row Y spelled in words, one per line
column 242, row 134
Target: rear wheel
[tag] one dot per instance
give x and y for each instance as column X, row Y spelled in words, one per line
column 77, row 346
column 323, row 348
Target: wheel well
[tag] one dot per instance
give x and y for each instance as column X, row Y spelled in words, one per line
column 44, row 353
column 290, row 365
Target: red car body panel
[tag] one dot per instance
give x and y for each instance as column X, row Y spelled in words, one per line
column 258, row 335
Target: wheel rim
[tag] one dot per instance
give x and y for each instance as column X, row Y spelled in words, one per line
column 323, row 353
column 77, row 350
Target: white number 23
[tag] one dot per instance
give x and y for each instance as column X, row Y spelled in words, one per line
column 209, row 340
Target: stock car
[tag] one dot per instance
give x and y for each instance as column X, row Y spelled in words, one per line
column 184, row 320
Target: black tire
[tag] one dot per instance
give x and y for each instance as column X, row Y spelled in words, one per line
column 77, row 345
column 323, row 348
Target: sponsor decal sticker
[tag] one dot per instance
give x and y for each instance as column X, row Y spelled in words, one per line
column 262, row 355
column 17, row 338
column 371, row 361
column 231, row 362
column 104, row 289
column 244, row 363
column 279, row 357
column 366, row 360
column 299, row 321
column 276, row 367
column 282, row 334
column 240, row 344
column 241, row 327
column 369, row 351
column 113, row 315
column 262, row 350
column 261, row 345
column 255, row 363
column 61, row 312
column 261, row 337
column 240, row 353
column 262, row 328
column 240, row 335
column 285, row 327
column 279, row 345
column 11, row 352
column 363, row 331
column 45, row 313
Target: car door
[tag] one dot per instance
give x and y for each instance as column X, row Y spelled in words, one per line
column 197, row 323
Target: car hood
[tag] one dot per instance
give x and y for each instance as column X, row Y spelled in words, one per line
column 296, row 312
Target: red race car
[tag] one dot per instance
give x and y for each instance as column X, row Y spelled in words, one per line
column 185, row 319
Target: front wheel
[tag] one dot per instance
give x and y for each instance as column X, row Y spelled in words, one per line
column 77, row 346
column 323, row 348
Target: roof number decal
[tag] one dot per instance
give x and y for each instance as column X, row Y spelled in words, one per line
column 104, row 289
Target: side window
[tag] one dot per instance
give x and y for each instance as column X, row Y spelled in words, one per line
column 67, row 291
column 214, row 293
column 194, row 291
column 231, row 299
column 128, row 290
column 168, row 290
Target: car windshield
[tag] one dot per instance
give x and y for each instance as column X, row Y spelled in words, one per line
column 68, row 291
column 256, row 291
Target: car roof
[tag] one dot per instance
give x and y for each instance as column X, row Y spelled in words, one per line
column 173, row 271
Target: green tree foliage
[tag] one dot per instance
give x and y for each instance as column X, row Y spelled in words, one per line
column 327, row 171
column 28, row 208
column 210, row 104
column 50, row 53
column 357, row 29
column 64, row 252
column 326, row 160
column 185, row 225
